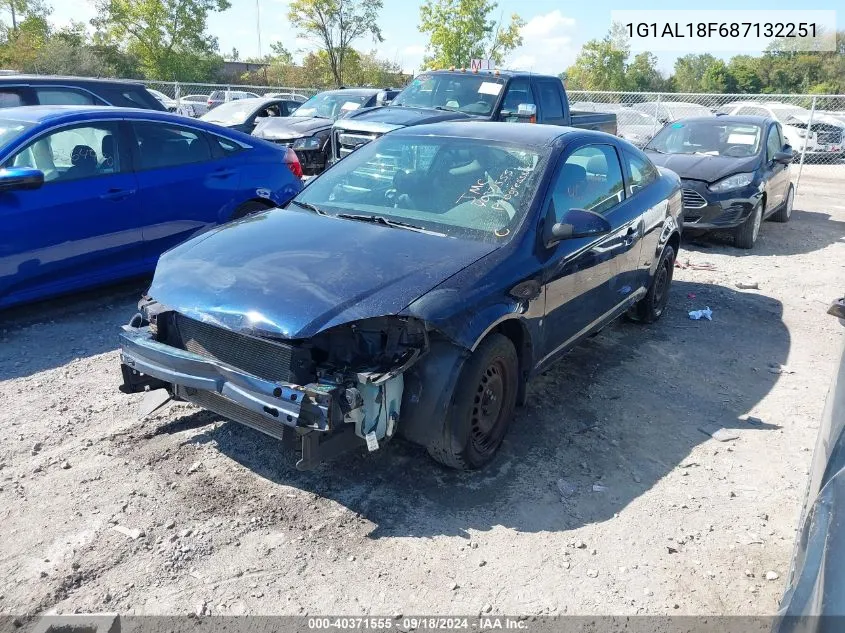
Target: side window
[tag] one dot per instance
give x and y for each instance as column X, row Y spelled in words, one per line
column 780, row 135
column 552, row 107
column 73, row 153
column 11, row 98
column 163, row 145
column 226, row 146
column 643, row 172
column 64, row 96
column 773, row 143
column 519, row 91
column 591, row 179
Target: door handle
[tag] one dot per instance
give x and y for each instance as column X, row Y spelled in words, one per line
column 223, row 173
column 117, row 194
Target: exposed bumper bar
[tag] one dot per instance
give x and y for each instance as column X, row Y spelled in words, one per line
column 296, row 406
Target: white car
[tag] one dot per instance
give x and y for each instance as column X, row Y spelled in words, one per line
column 171, row 104
column 825, row 138
column 199, row 103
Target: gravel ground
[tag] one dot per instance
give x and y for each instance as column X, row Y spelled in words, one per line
column 655, row 517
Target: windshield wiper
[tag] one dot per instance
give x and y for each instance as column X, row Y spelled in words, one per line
column 445, row 108
column 379, row 219
column 309, row 207
column 654, row 149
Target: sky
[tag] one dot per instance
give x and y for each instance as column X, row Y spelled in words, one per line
column 554, row 32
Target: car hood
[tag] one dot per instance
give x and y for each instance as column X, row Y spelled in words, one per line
column 291, row 274
column 401, row 116
column 290, row 127
column 703, row 167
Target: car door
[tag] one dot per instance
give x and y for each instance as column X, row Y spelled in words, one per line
column 519, row 92
column 586, row 280
column 648, row 203
column 83, row 225
column 775, row 174
column 186, row 184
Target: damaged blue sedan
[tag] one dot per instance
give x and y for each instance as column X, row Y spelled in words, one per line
column 413, row 289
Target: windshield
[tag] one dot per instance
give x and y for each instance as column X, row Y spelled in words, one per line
column 330, row 105
column 714, row 138
column 10, row 130
column 230, row 113
column 463, row 188
column 473, row 94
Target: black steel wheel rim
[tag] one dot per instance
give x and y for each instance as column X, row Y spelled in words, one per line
column 661, row 286
column 488, row 409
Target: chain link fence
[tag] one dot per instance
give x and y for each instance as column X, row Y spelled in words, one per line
column 192, row 99
column 814, row 125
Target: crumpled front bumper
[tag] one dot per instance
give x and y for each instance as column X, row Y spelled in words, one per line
column 311, row 406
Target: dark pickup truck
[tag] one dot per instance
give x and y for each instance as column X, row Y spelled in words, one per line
column 449, row 95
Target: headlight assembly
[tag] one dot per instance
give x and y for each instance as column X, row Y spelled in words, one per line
column 732, row 182
column 309, row 142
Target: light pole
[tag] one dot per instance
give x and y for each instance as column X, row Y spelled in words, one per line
column 258, row 25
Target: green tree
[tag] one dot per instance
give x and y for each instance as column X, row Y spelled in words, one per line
column 642, row 74
column 689, row 71
column 599, row 66
column 168, row 37
column 745, row 71
column 717, row 78
column 333, row 25
column 460, row 30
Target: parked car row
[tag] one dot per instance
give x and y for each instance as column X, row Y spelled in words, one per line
column 466, row 236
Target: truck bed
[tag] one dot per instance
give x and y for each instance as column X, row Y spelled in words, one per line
column 600, row 121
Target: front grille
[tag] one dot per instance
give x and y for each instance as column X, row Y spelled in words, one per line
column 346, row 142
column 232, row 411
column 829, row 138
column 270, row 360
column 693, row 199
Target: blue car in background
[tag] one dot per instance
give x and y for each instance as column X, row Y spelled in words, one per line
column 92, row 194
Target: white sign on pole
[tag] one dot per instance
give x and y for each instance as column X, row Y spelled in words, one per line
column 481, row 64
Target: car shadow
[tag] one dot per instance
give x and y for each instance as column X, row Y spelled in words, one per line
column 621, row 411
column 806, row 232
column 46, row 334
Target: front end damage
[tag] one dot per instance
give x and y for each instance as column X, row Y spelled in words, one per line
column 339, row 389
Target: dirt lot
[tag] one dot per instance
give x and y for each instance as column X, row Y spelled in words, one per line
column 658, row 517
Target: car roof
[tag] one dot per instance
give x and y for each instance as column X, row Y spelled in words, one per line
column 53, row 114
column 354, row 92
column 51, row 79
column 521, row 133
column 491, row 73
column 729, row 118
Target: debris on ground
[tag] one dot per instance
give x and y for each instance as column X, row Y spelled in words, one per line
column 706, row 313
column 747, row 285
column 692, row 266
column 780, row 369
column 566, row 488
column 750, row 419
column 599, row 488
column 719, row 433
column 132, row 533
column 772, row 575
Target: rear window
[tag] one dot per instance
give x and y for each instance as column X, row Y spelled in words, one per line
column 131, row 97
column 9, row 130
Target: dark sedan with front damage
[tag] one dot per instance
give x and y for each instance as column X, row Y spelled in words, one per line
column 413, row 289
column 734, row 172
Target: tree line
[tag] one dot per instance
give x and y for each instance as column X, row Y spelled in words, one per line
column 168, row 40
column 606, row 64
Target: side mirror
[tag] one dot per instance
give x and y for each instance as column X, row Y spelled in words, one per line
column 579, row 223
column 785, row 157
column 20, row 178
column 527, row 112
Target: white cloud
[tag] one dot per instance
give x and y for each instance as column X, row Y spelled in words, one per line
column 416, row 50
column 547, row 44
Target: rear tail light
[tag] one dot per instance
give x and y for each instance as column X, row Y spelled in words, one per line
column 292, row 161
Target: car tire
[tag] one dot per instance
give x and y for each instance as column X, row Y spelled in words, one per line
column 746, row 234
column 785, row 211
column 482, row 406
column 248, row 208
column 651, row 307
